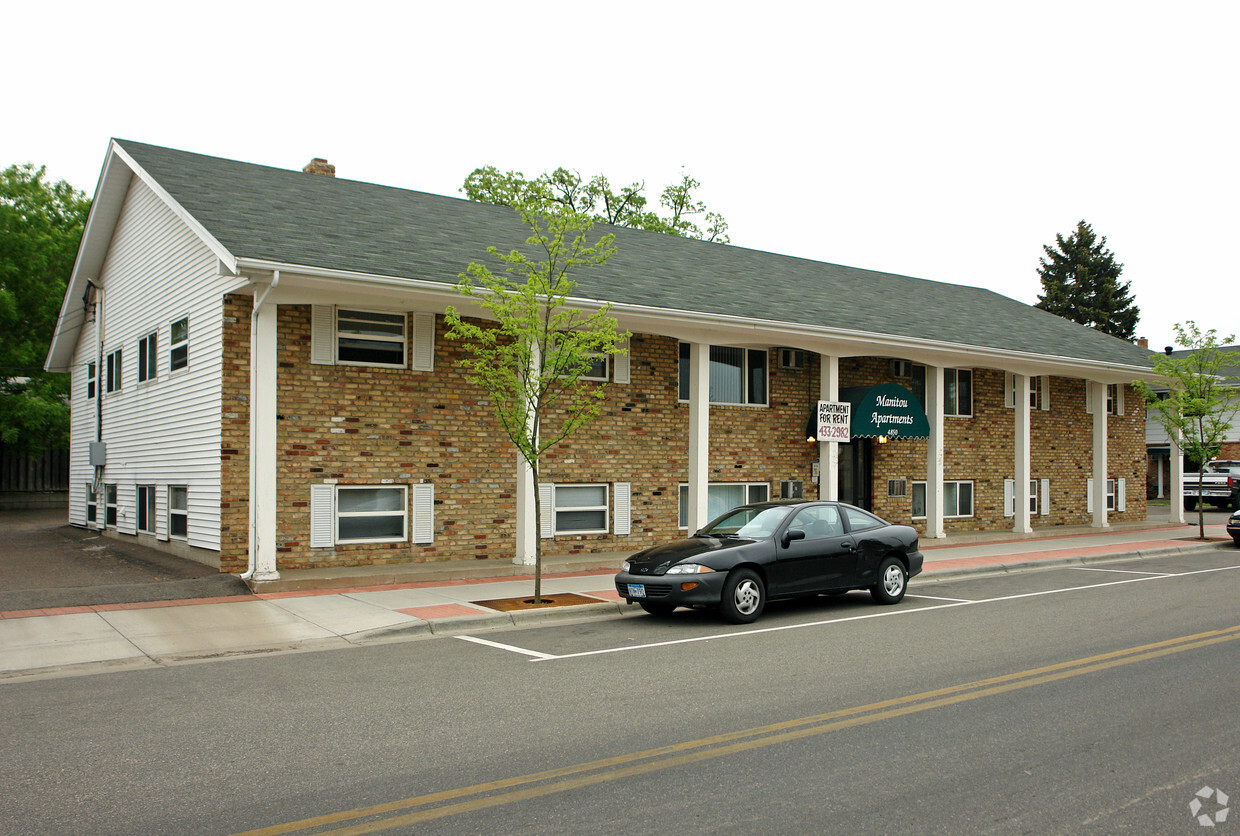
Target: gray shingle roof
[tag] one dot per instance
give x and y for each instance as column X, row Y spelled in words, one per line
column 266, row 213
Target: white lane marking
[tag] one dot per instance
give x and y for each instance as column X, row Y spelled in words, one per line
column 1124, row 571
column 934, row 598
column 507, row 647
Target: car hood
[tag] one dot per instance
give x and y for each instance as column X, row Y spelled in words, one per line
column 656, row 560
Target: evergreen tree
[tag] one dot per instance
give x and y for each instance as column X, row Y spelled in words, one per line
column 1080, row 282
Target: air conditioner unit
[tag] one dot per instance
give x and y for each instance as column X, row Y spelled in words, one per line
column 791, row 489
column 792, row 358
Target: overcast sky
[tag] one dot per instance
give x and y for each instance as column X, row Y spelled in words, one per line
column 948, row 140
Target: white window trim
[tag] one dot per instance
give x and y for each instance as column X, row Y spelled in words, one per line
column 606, row 376
column 337, row 514
column 114, row 370
column 150, row 508
column 946, row 482
column 148, row 353
column 114, row 505
column 958, row 413
column 178, row 512
column 605, row 508
column 92, row 503
column 92, row 380
column 403, row 339
column 749, row 486
column 174, row 346
column 744, row 378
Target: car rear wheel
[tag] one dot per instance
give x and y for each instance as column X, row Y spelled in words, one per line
column 744, row 597
column 1190, row 504
column 657, row 608
column 892, row 581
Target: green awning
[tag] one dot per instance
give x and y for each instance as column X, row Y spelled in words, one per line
column 888, row 410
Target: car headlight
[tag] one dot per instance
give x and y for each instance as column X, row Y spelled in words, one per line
column 624, row 567
column 688, row 569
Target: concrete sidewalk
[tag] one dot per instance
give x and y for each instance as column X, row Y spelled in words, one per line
column 84, row 639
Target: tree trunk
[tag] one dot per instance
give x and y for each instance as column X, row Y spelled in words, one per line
column 537, row 539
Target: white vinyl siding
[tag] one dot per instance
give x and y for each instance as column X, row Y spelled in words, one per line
column 167, row 432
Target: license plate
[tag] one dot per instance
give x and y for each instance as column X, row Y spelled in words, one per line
column 637, row 590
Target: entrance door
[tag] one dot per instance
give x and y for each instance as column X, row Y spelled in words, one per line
column 857, row 472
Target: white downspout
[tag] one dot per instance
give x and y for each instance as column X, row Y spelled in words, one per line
column 253, row 503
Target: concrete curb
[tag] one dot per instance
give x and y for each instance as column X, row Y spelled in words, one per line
column 931, row 575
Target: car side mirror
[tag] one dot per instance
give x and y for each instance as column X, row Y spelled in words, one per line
column 792, row 534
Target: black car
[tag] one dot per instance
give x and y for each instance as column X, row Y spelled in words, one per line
column 1233, row 527
column 773, row 550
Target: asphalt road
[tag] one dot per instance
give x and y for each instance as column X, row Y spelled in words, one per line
column 1055, row 701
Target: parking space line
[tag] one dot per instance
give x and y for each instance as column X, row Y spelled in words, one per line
column 1124, row 571
column 935, row 598
column 508, row 647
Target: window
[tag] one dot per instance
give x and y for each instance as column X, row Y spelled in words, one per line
column 370, row 515
column 958, row 394
column 114, row 371
column 957, row 499
column 146, row 509
column 91, row 374
column 580, row 509
column 1117, row 491
column 859, row 520
column 178, row 511
column 722, row 497
column 1114, row 400
column 178, row 351
column 737, row 375
column 819, row 522
column 1009, row 497
column 109, row 505
column 146, row 358
column 598, row 368
column 1039, row 391
column 92, row 500
column 370, row 338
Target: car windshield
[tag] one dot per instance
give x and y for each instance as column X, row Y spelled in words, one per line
column 747, row 522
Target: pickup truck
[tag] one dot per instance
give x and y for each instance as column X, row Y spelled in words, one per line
column 1220, row 485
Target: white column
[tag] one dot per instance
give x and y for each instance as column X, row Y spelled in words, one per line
column 699, row 433
column 527, row 519
column 263, row 495
column 1176, row 492
column 829, row 452
column 1020, row 390
column 1162, row 488
column 934, row 453
column 1100, row 454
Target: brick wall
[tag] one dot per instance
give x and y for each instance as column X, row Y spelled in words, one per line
column 368, row 426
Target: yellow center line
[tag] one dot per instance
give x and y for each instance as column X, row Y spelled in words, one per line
column 694, row 751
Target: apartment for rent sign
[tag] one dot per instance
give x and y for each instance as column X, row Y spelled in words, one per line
column 834, row 421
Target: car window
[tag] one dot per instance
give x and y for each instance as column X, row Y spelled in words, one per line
column 859, row 520
column 748, row 522
column 818, row 522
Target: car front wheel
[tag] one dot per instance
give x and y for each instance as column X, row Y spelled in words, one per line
column 744, row 597
column 892, row 581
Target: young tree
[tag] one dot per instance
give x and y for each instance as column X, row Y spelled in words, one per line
column 1080, row 282
column 40, row 227
column 532, row 360
column 595, row 199
column 1201, row 398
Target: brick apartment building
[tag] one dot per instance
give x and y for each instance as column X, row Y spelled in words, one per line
column 261, row 381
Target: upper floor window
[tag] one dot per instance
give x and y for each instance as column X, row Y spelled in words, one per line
column 92, row 374
column 737, row 375
column 958, row 394
column 178, row 349
column 114, row 371
column 146, row 357
column 370, row 338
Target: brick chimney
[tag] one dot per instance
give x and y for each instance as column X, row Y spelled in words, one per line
column 319, row 166
column 1143, row 342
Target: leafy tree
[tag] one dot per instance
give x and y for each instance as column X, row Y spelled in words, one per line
column 1080, row 282
column 532, row 359
column 595, row 199
column 1201, row 398
column 40, row 227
